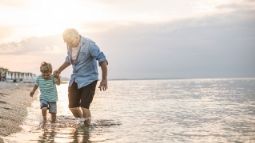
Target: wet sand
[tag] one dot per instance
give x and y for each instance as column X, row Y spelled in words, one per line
column 14, row 99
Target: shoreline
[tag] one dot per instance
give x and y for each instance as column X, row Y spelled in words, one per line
column 14, row 100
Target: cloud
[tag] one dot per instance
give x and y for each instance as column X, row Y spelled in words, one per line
column 5, row 31
column 243, row 5
column 213, row 46
column 13, row 3
column 219, row 45
column 48, row 44
column 27, row 54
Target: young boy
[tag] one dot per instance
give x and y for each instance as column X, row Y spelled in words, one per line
column 48, row 97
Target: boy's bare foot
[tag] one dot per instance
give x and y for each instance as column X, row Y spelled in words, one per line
column 43, row 124
column 44, row 119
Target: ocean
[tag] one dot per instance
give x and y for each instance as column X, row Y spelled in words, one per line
column 154, row 111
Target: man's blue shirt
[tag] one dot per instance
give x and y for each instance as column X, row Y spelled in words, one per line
column 85, row 67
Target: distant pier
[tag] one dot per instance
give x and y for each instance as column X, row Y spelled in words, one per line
column 15, row 76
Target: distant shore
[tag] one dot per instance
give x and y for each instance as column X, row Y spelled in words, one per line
column 14, row 99
column 184, row 78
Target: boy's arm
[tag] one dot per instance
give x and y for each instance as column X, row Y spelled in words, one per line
column 33, row 90
column 57, row 80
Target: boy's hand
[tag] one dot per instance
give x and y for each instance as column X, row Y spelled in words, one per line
column 32, row 93
column 57, row 80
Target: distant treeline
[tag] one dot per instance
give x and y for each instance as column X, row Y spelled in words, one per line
column 6, row 75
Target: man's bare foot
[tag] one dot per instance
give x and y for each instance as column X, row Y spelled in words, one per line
column 86, row 123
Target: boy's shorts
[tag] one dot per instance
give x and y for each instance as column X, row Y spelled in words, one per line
column 81, row 97
column 52, row 106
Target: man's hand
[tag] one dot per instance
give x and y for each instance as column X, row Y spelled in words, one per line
column 103, row 85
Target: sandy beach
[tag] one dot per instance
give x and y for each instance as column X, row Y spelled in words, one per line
column 14, row 98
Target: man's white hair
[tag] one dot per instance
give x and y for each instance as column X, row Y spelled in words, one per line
column 70, row 33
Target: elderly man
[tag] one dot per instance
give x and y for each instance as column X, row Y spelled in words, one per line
column 83, row 54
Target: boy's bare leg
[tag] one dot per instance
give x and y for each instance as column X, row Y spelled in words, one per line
column 44, row 114
column 77, row 113
column 86, row 116
column 53, row 117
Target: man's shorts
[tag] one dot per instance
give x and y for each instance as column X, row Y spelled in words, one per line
column 81, row 97
column 52, row 106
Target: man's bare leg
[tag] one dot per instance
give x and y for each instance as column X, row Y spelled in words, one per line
column 86, row 116
column 77, row 113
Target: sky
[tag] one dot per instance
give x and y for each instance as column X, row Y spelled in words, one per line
column 141, row 38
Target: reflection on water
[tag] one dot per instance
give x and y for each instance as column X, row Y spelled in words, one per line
column 194, row 110
column 54, row 133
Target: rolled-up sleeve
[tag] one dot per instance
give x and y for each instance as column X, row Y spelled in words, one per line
column 95, row 52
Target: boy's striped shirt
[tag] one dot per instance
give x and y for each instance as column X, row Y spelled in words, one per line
column 47, row 88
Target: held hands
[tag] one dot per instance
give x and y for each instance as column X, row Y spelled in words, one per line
column 56, row 73
column 103, row 85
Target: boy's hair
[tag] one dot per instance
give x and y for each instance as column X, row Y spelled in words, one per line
column 45, row 67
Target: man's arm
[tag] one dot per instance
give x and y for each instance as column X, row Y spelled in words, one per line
column 61, row 68
column 103, row 84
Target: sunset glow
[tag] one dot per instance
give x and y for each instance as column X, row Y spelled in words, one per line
column 31, row 30
column 41, row 18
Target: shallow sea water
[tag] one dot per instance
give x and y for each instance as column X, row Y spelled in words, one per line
column 181, row 111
